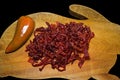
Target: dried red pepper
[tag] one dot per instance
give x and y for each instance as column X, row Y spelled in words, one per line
column 59, row 44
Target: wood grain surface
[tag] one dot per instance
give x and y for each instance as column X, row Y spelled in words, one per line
column 103, row 50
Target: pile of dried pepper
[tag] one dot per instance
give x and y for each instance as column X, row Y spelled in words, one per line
column 59, row 44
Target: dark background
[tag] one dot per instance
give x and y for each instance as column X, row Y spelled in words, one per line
column 12, row 10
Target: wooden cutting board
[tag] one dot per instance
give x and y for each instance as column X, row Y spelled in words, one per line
column 103, row 49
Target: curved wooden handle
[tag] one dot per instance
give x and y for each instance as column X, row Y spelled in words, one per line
column 79, row 11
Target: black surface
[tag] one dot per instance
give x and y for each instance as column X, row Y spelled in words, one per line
column 10, row 11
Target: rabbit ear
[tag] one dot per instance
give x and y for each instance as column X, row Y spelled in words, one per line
column 81, row 12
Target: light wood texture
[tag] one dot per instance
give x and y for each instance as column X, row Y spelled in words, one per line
column 91, row 14
column 103, row 50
